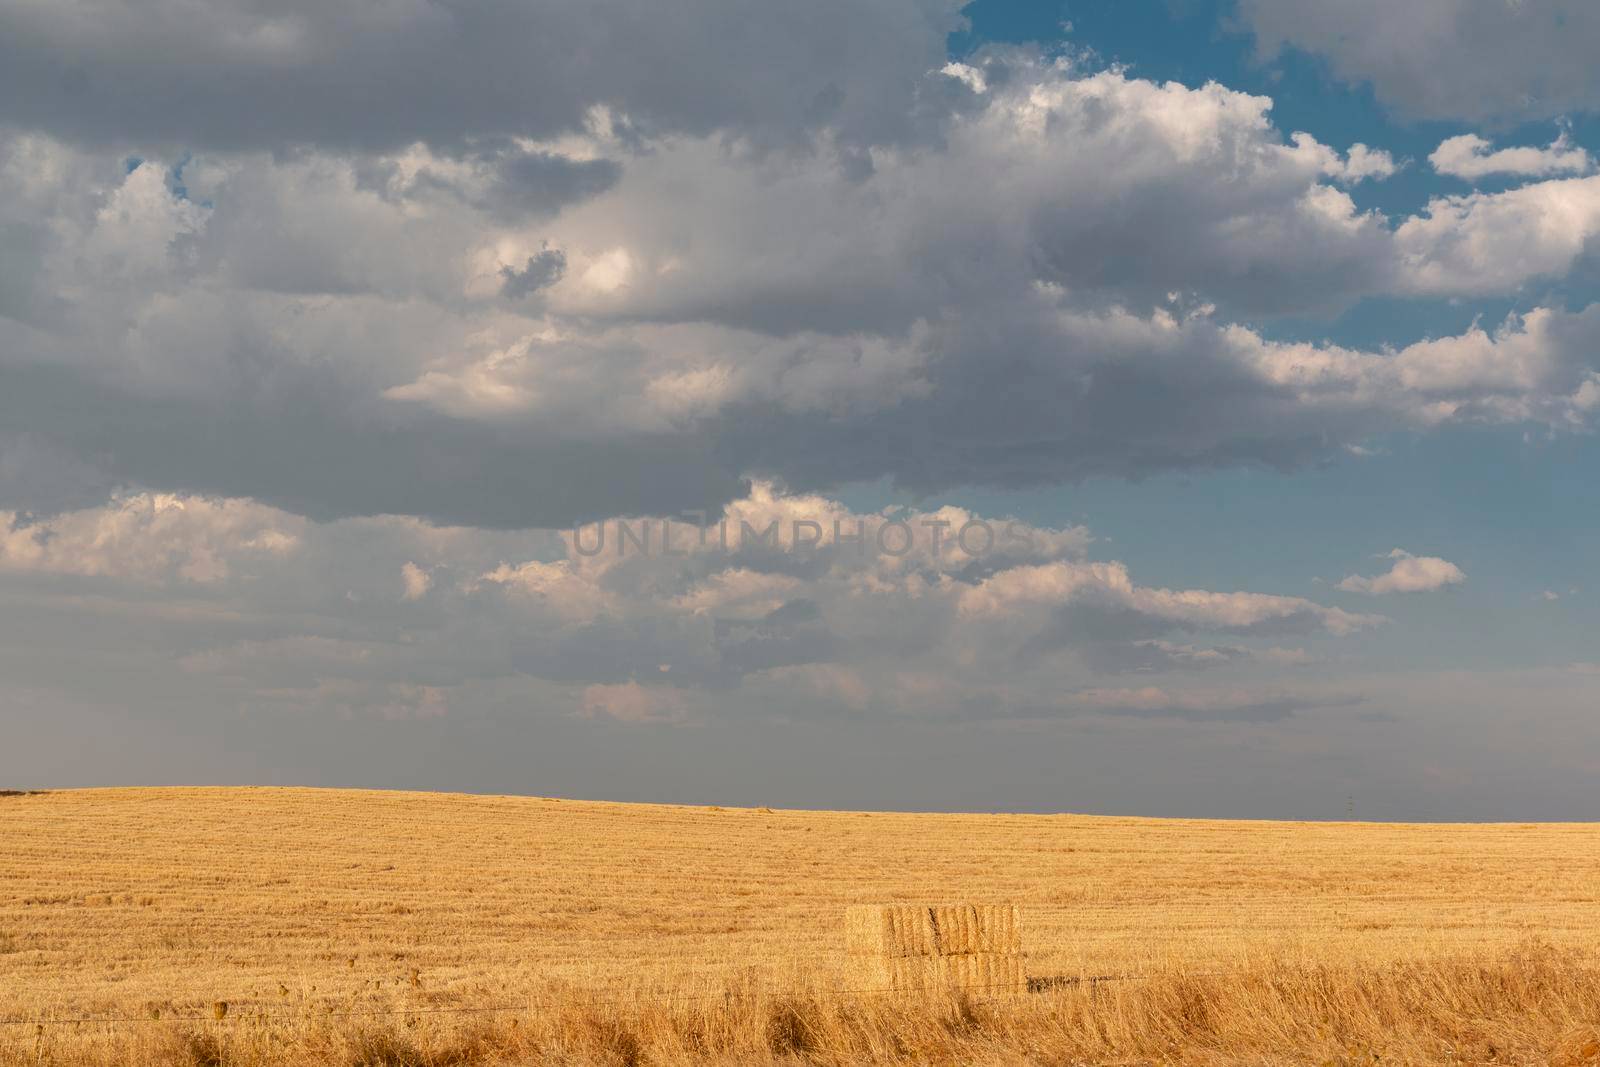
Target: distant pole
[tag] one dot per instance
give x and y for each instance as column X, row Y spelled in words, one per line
column 1350, row 807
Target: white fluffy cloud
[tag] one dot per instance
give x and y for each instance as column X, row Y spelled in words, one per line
column 1469, row 156
column 1108, row 587
column 1409, row 574
column 150, row 537
column 1360, row 164
column 1494, row 243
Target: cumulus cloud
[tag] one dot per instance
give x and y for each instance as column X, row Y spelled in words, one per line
column 1089, row 180
column 900, row 612
column 1107, row 588
column 366, row 330
column 889, row 612
column 1469, row 156
column 1409, row 574
column 1441, row 59
column 149, row 537
column 1360, row 164
column 1363, row 163
column 1487, row 243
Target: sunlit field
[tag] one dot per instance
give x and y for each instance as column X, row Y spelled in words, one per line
column 294, row 925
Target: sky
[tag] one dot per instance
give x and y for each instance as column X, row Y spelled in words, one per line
column 1171, row 407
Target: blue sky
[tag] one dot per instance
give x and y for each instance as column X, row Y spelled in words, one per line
column 1268, row 331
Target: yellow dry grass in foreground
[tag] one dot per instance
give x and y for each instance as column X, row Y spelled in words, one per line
column 313, row 912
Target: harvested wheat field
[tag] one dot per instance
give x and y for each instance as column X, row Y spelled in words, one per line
column 258, row 926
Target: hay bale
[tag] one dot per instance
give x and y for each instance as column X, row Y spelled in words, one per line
column 931, row 930
column 969, row 929
column 975, row 972
column 955, row 928
column 996, row 928
column 870, row 974
column 983, row 972
column 891, row 930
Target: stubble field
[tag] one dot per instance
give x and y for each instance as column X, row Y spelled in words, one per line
column 391, row 928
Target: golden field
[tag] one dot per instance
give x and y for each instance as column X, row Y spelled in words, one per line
column 350, row 927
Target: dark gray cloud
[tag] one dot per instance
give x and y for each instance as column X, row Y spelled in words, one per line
column 308, row 446
column 789, row 635
column 373, row 75
column 542, row 271
column 1443, row 59
column 541, row 183
column 510, row 185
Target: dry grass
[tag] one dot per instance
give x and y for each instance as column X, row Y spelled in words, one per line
column 633, row 934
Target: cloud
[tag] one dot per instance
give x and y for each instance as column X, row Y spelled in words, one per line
column 344, row 74
column 793, row 602
column 1362, row 162
column 357, row 329
column 149, row 538
column 337, row 698
column 1153, row 657
column 1108, row 185
column 544, row 269
column 1202, row 706
column 415, row 581
column 630, row 702
column 1440, row 59
column 1468, row 156
column 1409, row 574
column 1484, row 243
column 541, row 183
column 1106, row 590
